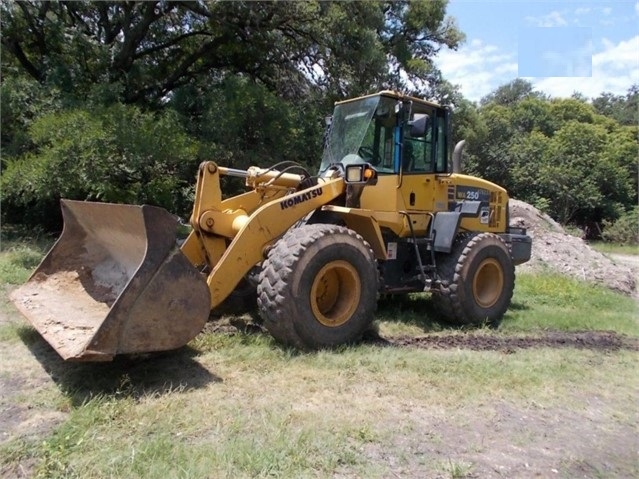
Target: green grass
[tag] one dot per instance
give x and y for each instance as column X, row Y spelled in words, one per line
column 612, row 248
column 276, row 414
column 541, row 302
column 239, row 405
column 18, row 258
column 562, row 303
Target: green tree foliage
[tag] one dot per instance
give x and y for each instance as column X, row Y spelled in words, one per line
column 241, row 123
column 413, row 33
column 117, row 154
column 578, row 176
column 622, row 108
column 558, row 154
column 511, row 93
column 248, row 125
column 148, row 49
column 23, row 100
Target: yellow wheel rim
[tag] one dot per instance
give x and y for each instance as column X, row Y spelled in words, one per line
column 488, row 283
column 335, row 293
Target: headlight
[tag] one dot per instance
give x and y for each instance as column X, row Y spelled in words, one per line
column 354, row 174
column 362, row 173
column 357, row 178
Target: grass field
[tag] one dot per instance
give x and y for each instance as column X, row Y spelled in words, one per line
column 612, row 248
column 234, row 404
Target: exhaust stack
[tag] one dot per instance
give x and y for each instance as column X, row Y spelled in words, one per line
column 457, row 156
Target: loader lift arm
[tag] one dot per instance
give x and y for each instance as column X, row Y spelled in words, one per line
column 232, row 236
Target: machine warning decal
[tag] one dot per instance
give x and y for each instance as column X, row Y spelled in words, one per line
column 472, row 194
column 296, row 200
column 391, row 251
column 484, row 215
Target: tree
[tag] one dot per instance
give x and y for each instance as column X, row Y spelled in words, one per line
column 245, row 124
column 23, row 100
column 412, row 35
column 533, row 114
column 559, row 154
column 570, row 109
column 489, row 154
column 571, row 175
column 624, row 109
column 511, row 93
column 148, row 49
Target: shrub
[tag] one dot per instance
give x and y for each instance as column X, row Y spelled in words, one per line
column 624, row 230
column 117, row 154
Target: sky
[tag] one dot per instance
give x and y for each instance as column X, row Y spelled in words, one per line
column 561, row 47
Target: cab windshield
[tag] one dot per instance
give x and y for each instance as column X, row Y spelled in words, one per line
column 361, row 131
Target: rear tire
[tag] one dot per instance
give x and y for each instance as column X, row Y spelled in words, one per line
column 477, row 280
column 318, row 287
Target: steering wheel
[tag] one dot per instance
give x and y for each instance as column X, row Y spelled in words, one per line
column 367, row 153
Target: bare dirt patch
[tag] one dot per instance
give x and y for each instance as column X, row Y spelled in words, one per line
column 630, row 261
column 506, row 343
column 504, row 440
column 593, row 340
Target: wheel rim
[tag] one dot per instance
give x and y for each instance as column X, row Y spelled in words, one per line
column 488, row 283
column 335, row 293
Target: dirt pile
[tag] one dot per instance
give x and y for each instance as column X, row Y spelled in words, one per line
column 558, row 251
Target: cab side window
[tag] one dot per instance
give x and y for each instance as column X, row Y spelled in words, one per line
column 420, row 160
column 417, row 152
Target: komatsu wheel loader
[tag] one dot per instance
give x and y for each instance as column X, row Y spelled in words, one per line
column 385, row 214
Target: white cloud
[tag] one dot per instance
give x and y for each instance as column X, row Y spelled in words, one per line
column 552, row 19
column 614, row 69
column 637, row 8
column 582, row 11
column 477, row 68
column 617, row 57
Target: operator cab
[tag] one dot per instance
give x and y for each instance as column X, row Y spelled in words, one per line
column 396, row 134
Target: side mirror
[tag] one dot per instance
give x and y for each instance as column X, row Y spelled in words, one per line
column 419, row 126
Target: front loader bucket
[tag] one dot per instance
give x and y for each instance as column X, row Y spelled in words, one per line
column 115, row 282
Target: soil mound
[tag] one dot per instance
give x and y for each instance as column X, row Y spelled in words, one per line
column 558, row 251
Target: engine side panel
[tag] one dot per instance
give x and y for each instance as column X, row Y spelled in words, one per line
column 422, row 194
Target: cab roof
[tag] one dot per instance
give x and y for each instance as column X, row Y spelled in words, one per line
column 395, row 95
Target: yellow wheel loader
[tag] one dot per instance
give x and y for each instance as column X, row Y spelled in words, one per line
column 385, row 214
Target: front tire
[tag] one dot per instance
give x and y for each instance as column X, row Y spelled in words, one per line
column 477, row 280
column 318, row 287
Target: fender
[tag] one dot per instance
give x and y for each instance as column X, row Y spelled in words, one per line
column 364, row 223
column 446, row 225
